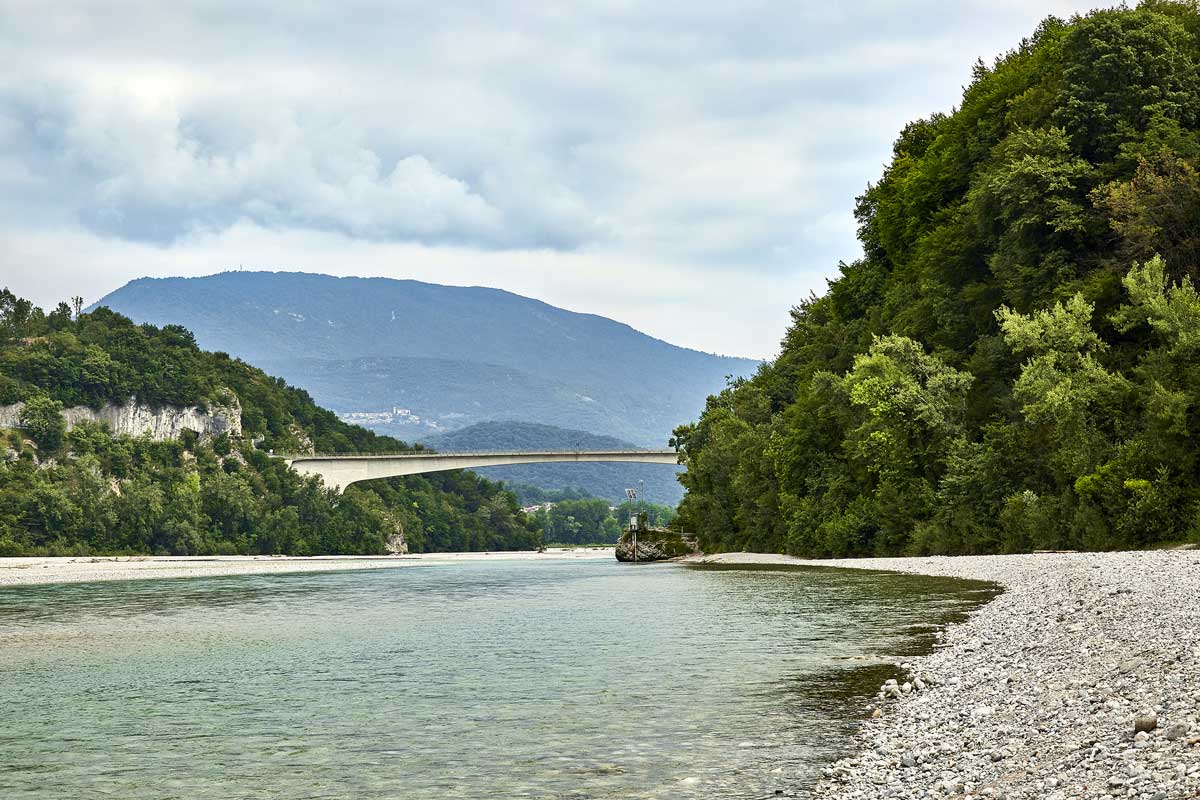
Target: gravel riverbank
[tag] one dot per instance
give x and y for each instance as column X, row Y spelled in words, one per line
column 1081, row 680
column 25, row 571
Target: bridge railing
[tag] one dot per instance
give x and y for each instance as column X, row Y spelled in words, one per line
column 472, row 453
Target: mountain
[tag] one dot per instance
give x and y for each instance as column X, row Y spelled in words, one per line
column 402, row 396
column 422, row 357
column 608, row 481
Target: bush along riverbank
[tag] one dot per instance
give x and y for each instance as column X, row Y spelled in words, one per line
column 1080, row 680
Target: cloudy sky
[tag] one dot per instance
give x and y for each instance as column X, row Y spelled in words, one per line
column 689, row 168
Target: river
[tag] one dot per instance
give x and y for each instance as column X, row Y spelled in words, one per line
column 500, row 679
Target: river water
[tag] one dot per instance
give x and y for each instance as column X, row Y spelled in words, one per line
column 502, row 679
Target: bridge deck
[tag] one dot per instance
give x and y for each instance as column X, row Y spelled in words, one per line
column 343, row 469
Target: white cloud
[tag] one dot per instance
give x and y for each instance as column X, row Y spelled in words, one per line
column 556, row 150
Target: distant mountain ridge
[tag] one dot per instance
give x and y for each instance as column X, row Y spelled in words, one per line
column 599, row 480
column 501, row 435
column 448, row 356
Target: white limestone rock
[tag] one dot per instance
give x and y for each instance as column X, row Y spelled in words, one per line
column 137, row 419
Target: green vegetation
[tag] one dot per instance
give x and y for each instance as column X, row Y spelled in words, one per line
column 533, row 495
column 43, row 418
column 1011, row 365
column 590, row 521
column 87, row 491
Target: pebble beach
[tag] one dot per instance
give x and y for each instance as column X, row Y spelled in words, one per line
column 41, row 570
column 1080, row 680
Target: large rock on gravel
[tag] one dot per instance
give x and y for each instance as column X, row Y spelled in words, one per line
column 654, row 545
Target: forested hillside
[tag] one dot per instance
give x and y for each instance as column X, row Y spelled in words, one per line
column 1013, row 364
column 88, row 491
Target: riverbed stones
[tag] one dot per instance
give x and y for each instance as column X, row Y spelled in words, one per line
column 1070, row 661
column 1176, row 731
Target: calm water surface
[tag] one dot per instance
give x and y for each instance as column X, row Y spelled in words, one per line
column 505, row 679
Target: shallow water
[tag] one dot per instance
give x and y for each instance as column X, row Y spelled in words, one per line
column 503, row 679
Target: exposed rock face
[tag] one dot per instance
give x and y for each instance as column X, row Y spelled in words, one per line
column 136, row 419
column 305, row 442
column 396, row 544
column 10, row 416
column 655, row 545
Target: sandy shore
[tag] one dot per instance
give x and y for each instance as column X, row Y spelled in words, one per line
column 24, row 571
column 1038, row 693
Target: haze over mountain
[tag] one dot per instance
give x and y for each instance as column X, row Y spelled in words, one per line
column 417, row 358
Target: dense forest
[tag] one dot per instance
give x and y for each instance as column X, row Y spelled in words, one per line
column 86, row 491
column 1013, row 363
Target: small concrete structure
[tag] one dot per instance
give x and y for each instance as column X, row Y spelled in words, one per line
column 342, row 470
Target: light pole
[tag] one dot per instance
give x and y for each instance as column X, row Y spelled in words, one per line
column 633, row 519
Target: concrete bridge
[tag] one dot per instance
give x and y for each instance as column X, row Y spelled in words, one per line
column 342, row 470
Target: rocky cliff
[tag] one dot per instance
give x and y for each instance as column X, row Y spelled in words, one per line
column 136, row 419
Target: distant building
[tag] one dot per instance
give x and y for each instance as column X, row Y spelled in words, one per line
column 397, row 416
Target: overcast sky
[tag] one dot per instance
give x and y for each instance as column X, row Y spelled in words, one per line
column 689, row 168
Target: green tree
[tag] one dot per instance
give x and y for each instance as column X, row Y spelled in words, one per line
column 1031, row 205
column 1122, row 71
column 1063, row 389
column 1157, row 211
column 42, row 418
column 610, row 530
